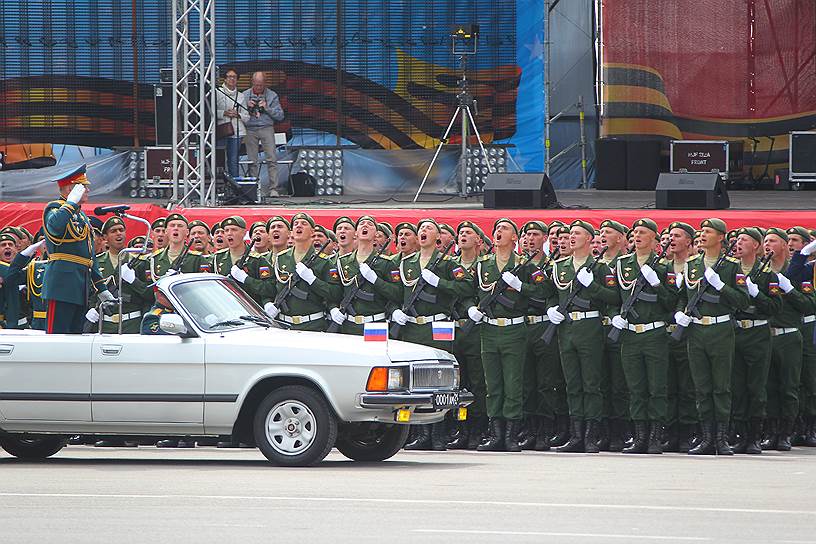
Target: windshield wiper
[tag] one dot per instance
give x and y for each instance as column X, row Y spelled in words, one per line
column 257, row 320
column 227, row 323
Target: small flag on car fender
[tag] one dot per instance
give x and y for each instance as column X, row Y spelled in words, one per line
column 442, row 331
column 375, row 332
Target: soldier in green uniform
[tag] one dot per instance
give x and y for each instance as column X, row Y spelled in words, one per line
column 22, row 288
column 711, row 336
column 580, row 338
column 385, row 237
column 162, row 260
column 644, row 351
column 316, row 287
column 375, row 292
column 158, row 233
column 13, row 310
column 218, row 240
column 752, row 342
column 504, row 334
column 407, row 240
column 200, row 235
column 71, row 274
column 279, row 229
column 344, row 229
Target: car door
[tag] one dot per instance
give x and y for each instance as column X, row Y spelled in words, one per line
column 151, row 379
column 45, row 377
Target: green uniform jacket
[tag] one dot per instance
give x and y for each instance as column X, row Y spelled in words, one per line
column 454, row 283
column 30, row 273
column 150, row 321
column 71, row 273
column 612, row 309
column 794, row 304
column 766, row 304
column 133, row 295
column 258, row 285
column 603, row 290
column 627, row 272
column 729, row 300
column 461, row 305
column 372, row 298
column 324, row 292
column 533, row 284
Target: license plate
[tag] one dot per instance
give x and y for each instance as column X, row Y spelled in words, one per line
column 445, row 400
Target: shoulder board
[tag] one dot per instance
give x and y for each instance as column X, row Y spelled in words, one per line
column 324, row 255
column 222, row 250
column 5, row 264
column 156, row 252
column 285, row 251
column 410, row 255
column 483, row 258
column 142, row 256
column 157, row 311
column 255, row 254
column 732, row 260
column 54, row 203
column 193, row 252
column 562, row 259
column 349, row 253
column 692, row 258
column 100, row 255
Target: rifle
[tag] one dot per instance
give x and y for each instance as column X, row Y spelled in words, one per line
column 763, row 262
column 419, row 288
column 628, row 307
column 290, row 289
column 691, row 307
column 498, row 290
column 346, row 304
column 179, row 261
column 243, row 259
column 549, row 332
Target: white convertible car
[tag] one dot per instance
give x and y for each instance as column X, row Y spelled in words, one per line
column 222, row 368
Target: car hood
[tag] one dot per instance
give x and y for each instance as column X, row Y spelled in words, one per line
column 343, row 346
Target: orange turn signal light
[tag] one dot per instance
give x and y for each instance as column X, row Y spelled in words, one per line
column 377, row 379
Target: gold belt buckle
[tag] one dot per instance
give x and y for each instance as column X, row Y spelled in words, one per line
column 115, row 318
column 639, row 328
column 296, row 320
column 501, row 321
column 420, row 320
column 359, row 319
column 573, row 315
column 706, row 320
column 745, row 323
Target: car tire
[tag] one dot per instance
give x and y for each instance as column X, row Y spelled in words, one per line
column 372, row 442
column 294, row 426
column 37, row 448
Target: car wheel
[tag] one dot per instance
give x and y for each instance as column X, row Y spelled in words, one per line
column 372, row 441
column 32, row 448
column 294, row 426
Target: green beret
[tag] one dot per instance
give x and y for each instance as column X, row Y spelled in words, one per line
column 731, row 234
column 697, row 234
column 555, row 224
column 801, row 231
column 470, row 224
column 14, row 231
column 563, row 229
column 136, row 240
column 199, row 223
column 176, row 217
column 427, row 220
column 587, row 226
column 344, row 219
column 535, row 225
column 280, row 218
column 304, row 216
column 329, row 234
column 216, row 226
column 25, row 232
column 159, row 223
column 256, row 225
column 646, row 222
column 614, row 225
column 716, row 224
column 6, row 237
column 505, row 220
column 446, row 227
column 405, row 225
column 688, row 229
column 813, row 233
column 762, row 231
column 234, row 221
column 385, row 228
column 112, row 222
column 753, row 232
column 779, row 232
column 369, row 217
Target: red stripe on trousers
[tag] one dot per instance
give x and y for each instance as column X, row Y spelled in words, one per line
column 49, row 328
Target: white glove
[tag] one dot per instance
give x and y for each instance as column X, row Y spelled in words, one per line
column 128, row 275
column 619, row 323
column 784, row 283
column 555, row 316
column 809, row 249
column 430, row 277
column 171, row 272
column 650, row 275
column 511, row 280
column 92, row 315
column 337, row 316
column 682, row 319
column 76, row 194
column 239, row 275
column 399, row 316
column 33, row 248
column 475, row 315
column 753, row 288
column 105, row 296
column 678, row 280
column 271, row 310
column 585, row 277
column 714, row 279
column 369, row 274
column 305, row 273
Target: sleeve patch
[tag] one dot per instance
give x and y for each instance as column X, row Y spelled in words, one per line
column 395, row 276
column 774, row 289
column 671, row 279
column 740, row 279
column 264, row 272
column 458, row 273
column 610, row 280
column 537, row 276
column 333, row 274
column 807, row 287
column 204, row 268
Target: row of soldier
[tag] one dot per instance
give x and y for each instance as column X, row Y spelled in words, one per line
column 742, row 378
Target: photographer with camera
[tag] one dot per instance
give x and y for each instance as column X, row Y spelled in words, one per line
column 232, row 113
column 264, row 109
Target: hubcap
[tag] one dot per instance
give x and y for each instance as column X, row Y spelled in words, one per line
column 290, row 427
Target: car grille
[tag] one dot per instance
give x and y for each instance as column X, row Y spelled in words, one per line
column 433, row 376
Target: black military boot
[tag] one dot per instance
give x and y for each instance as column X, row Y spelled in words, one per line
column 655, row 438
column 705, row 444
column 740, row 443
column 783, row 442
column 511, row 435
column 591, row 436
column 562, row 431
column 603, row 434
column 684, row 434
column 527, row 437
column 752, row 446
column 545, row 427
column 721, row 439
column 439, row 437
column 696, row 435
column 672, row 442
column 422, row 438
column 478, row 427
column 798, row 433
column 616, row 427
column 770, row 437
column 810, row 438
column 495, row 440
column 641, row 442
column 460, row 439
column 575, row 444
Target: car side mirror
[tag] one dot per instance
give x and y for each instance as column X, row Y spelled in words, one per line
column 172, row 324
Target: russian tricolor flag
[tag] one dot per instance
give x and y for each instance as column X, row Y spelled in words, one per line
column 375, row 332
column 442, row 331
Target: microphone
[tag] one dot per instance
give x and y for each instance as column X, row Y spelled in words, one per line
column 104, row 210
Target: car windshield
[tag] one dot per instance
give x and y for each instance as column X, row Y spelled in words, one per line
column 218, row 304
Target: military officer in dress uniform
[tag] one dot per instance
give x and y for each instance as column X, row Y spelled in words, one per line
column 71, row 274
column 13, row 312
column 22, row 288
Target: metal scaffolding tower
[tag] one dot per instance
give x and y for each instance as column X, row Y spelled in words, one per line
column 194, row 80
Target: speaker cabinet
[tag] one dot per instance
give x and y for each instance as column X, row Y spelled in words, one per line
column 691, row 192
column 519, row 191
column 642, row 165
column 610, row 164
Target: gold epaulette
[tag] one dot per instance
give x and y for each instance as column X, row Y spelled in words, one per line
column 255, row 254
column 562, row 259
column 732, row 260
column 193, row 252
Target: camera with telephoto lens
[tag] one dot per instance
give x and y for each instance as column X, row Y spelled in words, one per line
column 254, row 107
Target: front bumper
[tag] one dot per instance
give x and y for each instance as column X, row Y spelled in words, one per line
column 420, row 401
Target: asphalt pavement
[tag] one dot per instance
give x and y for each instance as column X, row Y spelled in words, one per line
column 88, row 495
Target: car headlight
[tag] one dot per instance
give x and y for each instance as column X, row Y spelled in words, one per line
column 383, row 378
column 456, row 380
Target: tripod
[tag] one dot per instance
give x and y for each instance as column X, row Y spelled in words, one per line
column 464, row 101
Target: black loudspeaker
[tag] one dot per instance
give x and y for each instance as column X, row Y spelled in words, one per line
column 610, row 164
column 642, row 165
column 303, row 184
column 519, row 191
column 691, row 192
column 163, row 96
